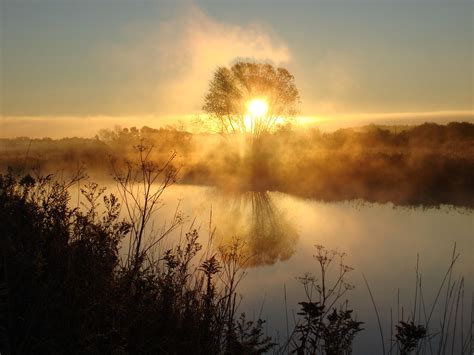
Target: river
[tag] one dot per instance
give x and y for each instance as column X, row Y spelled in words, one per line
column 381, row 241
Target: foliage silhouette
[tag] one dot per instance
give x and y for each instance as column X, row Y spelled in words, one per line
column 65, row 287
column 408, row 336
column 327, row 325
column 231, row 89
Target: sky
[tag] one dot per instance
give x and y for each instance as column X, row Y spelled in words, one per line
column 86, row 64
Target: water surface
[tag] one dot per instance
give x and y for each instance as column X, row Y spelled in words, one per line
column 381, row 241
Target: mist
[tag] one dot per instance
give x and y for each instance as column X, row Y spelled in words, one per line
column 425, row 165
column 202, row 177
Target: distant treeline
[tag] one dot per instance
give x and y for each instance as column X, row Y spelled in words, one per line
column 428, row 165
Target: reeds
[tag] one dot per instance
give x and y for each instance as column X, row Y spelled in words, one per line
column 417, row 333
column 70, row 290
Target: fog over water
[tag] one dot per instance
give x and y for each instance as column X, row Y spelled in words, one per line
column 381, row 241
column 273, row 132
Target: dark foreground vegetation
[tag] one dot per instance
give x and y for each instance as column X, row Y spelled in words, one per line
column 424, row 165
column 96, row 279
column 65, row 288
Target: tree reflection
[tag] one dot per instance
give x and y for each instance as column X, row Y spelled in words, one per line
column 265, row 229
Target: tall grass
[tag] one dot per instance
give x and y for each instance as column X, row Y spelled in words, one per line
column 69, row 289
column 416, row 333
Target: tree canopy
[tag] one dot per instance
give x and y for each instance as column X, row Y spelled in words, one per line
column 251, row 98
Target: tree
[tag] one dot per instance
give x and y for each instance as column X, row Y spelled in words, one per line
column 251, row 98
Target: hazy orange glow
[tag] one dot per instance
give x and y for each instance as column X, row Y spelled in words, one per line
column 256, row 109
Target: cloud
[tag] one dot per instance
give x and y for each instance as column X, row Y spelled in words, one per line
column 194, row 45
column 171, row 64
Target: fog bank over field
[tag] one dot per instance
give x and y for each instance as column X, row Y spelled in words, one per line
column 88, row 126
column 423, row 165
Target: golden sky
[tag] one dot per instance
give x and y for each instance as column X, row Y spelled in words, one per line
column 151, row 61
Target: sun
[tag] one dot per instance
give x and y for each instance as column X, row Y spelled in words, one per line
column 257, row 107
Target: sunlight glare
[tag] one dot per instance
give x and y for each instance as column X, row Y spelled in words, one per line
column 248, row 123
column 257, row 107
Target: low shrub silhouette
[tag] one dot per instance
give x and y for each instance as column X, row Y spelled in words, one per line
column 409, row 335
column 66, row 289
column 327, row 325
